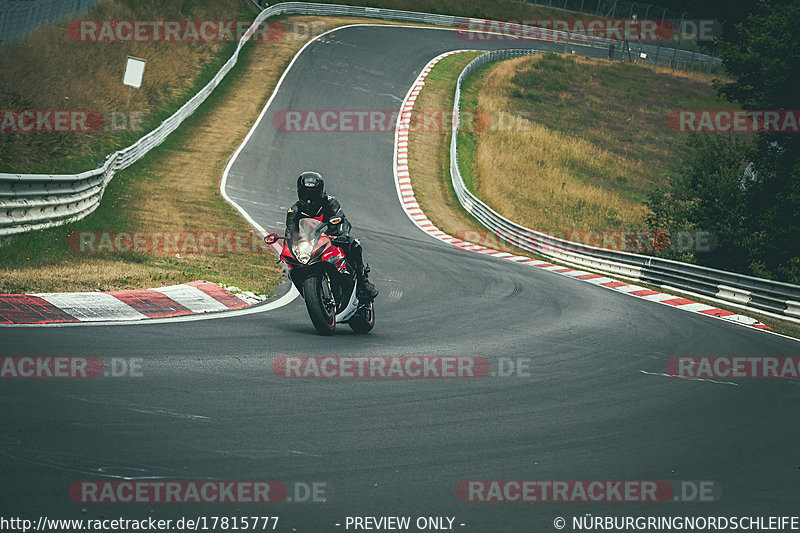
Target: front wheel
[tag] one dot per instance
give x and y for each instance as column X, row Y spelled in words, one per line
column 322, row 313
column 364, row 319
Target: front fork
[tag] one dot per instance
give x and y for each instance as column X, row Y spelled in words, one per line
column 327, row 295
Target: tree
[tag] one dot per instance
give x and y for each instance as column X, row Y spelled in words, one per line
column 705, row 193
column 757, row 219
column 764, row 65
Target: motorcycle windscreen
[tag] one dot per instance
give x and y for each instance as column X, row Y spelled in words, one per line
column 308, row 229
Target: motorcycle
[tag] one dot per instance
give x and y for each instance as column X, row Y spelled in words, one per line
column 319, row 270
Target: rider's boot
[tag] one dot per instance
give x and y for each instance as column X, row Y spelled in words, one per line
column 366, row 290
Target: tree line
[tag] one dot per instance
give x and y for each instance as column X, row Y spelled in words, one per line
column 745, row 191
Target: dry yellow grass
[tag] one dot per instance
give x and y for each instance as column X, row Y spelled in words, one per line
column 88, row 75
column 183, row 193
column 524, row 170
column 430, row 175
column 429, row 158
column 52, row 69
column 189, row 197
column 692, row 75
column 585, row 151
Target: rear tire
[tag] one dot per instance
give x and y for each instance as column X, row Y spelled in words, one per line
column 322, row 316
column 364, row 319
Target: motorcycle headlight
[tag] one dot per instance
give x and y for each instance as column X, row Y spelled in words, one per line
column 302, row 251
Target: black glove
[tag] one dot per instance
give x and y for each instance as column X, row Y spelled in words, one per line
column 336, row 231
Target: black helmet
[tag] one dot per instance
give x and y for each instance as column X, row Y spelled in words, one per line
column 310, row 189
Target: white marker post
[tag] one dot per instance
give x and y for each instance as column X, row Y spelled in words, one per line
column 134, row 71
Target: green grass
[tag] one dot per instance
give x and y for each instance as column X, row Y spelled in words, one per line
column 467, row 141
column 442, row 79
column 446, row 73
column 621, row 108
column 133, row 180
column 49, row 247
column 54, row 153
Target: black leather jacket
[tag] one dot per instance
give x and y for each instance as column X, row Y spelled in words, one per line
column 330, row 208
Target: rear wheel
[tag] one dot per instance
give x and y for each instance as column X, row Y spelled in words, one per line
column 322, row 313
column 364, row 319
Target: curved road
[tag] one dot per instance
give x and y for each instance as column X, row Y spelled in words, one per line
column 208, row 406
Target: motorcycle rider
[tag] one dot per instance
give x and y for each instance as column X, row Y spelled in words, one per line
column 313, row 202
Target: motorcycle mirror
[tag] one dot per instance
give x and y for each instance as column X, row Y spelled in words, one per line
column 272, row 238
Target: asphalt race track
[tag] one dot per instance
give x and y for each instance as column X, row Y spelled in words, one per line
column 596, row 405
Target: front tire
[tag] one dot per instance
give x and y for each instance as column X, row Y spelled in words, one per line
column 323, row 316
column 364, row 319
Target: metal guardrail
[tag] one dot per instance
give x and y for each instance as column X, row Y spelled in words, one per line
column 657, row 53
column 31, row 202
column 610, row 8
column 754, row 293
column 628, row 9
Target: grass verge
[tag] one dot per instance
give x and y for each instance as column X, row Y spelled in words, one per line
column 578, row 143
column 429, row 159
column 54, row 68
column 429, row 167
column 174, row 189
